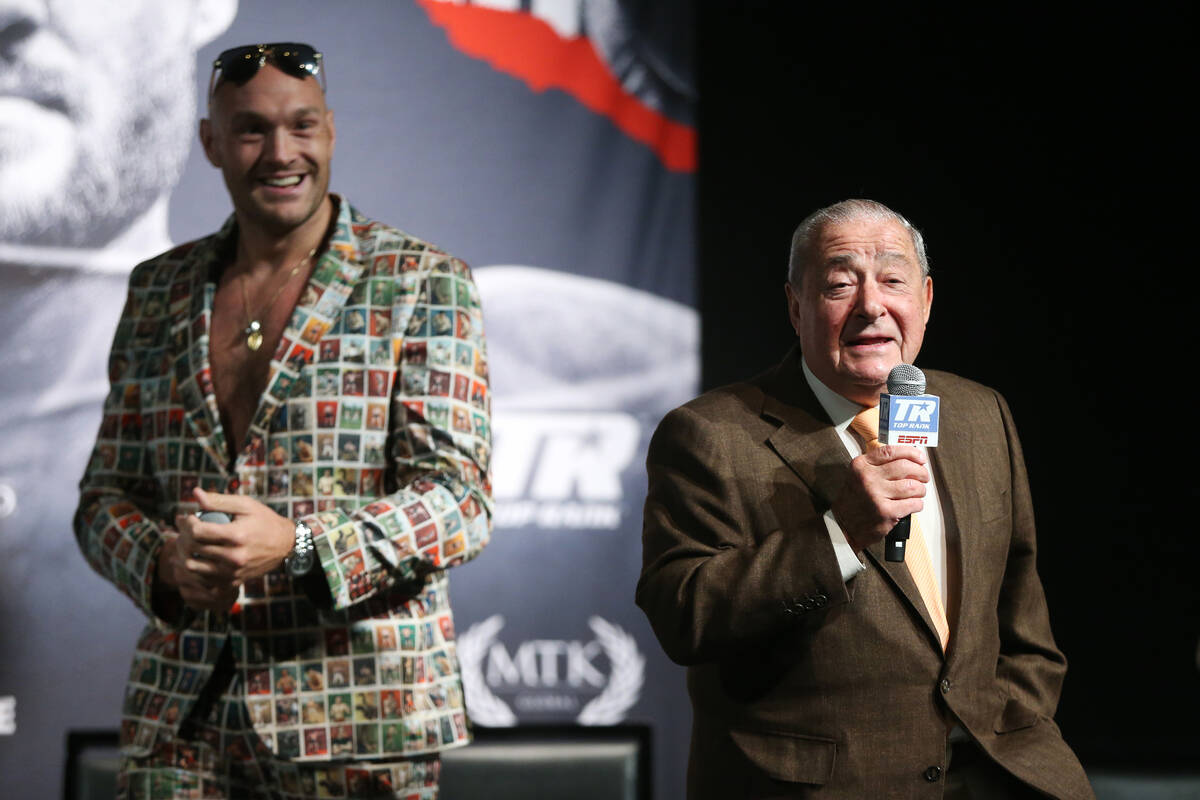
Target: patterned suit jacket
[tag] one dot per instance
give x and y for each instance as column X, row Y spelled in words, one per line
column 374, row 428
column 803, row 685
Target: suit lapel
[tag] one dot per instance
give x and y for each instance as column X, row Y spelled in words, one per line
column 318, row 310
column 189, row 351
column 953, row 462
column 805, row 438
column 951, row 466
column 897, row 572
column 807, row 441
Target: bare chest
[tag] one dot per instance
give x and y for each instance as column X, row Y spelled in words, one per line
column 240, row 371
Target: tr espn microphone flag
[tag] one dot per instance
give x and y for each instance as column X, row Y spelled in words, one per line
column 906, row 416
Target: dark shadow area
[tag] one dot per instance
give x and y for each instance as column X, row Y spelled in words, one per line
column 1044, row 157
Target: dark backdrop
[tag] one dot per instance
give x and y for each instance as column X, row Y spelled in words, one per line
column 1044, row 158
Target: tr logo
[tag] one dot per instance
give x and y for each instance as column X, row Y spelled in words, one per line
column 913, row 410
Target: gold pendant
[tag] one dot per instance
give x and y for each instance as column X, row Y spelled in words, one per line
column 254, row 337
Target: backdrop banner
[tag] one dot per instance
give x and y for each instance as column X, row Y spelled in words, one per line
column 549, row 143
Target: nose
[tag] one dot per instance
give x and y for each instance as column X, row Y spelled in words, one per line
column 869, row 302
column 19, row 20
column 278, row 150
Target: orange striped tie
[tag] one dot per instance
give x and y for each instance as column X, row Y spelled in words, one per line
column 866, row 425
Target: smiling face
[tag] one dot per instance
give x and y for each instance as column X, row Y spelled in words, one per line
column 862, row 305
column 272, row 139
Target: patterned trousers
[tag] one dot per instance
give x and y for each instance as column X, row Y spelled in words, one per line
column 220, row 756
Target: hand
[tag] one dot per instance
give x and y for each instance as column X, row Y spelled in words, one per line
column 885, row 484
column 253, row 544
column 195, row 591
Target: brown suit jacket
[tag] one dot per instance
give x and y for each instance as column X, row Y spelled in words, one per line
column 803, row 685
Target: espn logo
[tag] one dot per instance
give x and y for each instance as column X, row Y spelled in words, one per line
column 908, row 439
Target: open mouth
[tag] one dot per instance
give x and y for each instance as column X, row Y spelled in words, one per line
column 285, row 182
column 55, row 104
column 869, row 341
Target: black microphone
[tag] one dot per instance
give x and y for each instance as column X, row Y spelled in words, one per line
column 906, row 381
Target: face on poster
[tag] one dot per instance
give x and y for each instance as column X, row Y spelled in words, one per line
column 96, row 112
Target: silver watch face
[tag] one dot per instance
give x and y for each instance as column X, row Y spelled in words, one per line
column 300, row 563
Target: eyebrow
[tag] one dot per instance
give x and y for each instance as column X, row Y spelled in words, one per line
column 247, row 115
column 851, row 258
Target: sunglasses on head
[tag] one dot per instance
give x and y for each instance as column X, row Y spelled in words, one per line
column 240, row 64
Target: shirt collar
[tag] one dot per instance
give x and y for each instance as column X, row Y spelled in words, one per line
column 840, row 410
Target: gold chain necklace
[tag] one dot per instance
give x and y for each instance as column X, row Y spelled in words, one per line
column 253, row 331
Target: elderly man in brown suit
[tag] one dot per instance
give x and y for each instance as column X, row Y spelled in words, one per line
column 816, row 667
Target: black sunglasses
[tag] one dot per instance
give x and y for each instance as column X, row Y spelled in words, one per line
column 240, row 64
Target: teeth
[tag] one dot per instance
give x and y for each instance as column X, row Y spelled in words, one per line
column 289, row 181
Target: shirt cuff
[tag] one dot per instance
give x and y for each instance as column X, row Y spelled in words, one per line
column 848, row 562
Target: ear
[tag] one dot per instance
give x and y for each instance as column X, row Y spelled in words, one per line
column 332, row 129
column 208, row 142
column 928, row 296
column 210, row 18
column 793, row 302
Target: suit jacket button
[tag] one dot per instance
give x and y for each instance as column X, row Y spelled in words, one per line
column 945, row 685
column 820, row 601
column 932, row 774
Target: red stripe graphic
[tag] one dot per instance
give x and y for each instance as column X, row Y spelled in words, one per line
column 519, row 44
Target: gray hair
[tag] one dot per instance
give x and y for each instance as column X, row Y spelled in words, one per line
column 846, row 210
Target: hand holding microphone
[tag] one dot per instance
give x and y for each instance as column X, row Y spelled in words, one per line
column 907, row 416
column 887, row 482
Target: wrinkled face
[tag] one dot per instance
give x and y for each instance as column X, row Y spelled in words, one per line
column 96, row 108
column 862, row 306
column 272, row 139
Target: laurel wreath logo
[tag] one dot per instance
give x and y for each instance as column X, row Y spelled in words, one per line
column 482, row 706
column 622, row 691
column 624, row 682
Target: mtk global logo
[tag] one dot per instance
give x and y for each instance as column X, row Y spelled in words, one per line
column 550, row 677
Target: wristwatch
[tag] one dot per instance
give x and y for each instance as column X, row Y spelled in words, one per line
column 303, row 554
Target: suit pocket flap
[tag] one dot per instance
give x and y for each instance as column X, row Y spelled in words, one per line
column 1015, row 716
column 788, row 756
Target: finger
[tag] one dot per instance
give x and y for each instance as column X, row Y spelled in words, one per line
column 200, row 581
column 210, row 586
column 903, row 489
column 898, row 509
column 204, row 568
column 229, row 503
column 185, row 522
column 896, row 452
column 220, row 561
column 213, row 534
column 904, row 471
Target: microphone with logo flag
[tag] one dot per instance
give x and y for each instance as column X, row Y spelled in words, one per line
column 906, row 416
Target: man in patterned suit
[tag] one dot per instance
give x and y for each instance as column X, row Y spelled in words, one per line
column 241, row 370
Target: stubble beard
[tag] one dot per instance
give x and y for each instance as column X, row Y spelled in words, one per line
column 119, row 169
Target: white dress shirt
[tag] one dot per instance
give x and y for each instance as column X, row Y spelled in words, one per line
column 842, row 411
